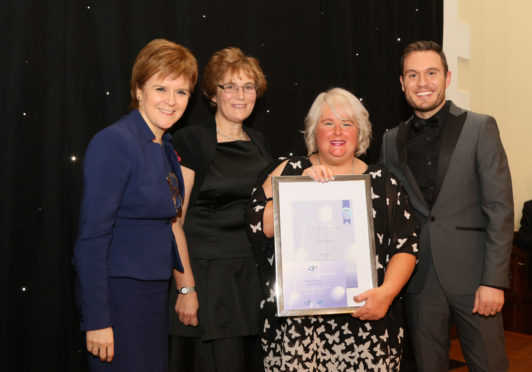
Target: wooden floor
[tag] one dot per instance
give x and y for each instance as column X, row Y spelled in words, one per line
column 518, row 349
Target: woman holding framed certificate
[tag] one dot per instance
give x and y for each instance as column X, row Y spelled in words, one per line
column 337, row 131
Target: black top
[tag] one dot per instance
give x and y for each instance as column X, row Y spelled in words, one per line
column 214, row 225
column 423, row 150
column 197, row 144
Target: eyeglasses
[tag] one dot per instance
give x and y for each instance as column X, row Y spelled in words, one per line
column 174, row 190
column 233, row 88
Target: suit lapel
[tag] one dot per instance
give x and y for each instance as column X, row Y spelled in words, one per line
column 402, row 139
column 451, row 132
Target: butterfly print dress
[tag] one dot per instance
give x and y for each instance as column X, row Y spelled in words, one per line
column 335, row 342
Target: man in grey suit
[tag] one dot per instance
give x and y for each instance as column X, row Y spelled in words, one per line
column 454, row 168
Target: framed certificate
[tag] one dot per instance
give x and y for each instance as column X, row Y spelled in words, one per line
column 324, row 244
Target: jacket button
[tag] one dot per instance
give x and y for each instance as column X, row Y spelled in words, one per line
column 432, row 218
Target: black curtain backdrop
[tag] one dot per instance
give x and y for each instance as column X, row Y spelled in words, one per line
column 66, row 67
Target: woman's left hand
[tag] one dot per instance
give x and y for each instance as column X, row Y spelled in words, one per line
column 101, row 343
column 320, row 173
column 186, row 308
column 378, row 300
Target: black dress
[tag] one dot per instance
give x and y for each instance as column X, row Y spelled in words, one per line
column 220, row 254
column 335, row 342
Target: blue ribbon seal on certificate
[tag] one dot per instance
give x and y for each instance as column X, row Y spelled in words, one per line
column 347, row 213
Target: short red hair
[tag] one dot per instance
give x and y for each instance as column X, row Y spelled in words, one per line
column 231, row 60
column 163, row 57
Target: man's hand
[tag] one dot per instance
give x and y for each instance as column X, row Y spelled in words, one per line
column 488, row 301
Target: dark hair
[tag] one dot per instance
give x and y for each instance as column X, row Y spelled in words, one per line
column 424, row 46
column 163, row 57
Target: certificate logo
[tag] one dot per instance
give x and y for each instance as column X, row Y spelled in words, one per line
column 313, row 268
column 347, row 212
column 310, row 303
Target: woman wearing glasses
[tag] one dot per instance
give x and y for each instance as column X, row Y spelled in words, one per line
column 214, row 311
column 125, row 252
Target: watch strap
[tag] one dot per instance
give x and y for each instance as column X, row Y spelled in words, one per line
column 186, row 290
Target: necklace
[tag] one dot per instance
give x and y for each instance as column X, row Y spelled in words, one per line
column 229, row 137
column 352, row 168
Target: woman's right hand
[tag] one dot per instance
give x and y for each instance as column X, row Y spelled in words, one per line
column 100, row 343
column 320, row 173
column 186, row 308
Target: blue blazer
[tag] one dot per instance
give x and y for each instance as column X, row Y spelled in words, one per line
column 125, row 227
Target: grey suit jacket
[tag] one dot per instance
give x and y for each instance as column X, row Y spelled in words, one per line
column 468, row 232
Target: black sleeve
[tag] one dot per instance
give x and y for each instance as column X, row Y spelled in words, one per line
column 255, row 209
column 403, row 226
column 524, row 235
column 186, row 145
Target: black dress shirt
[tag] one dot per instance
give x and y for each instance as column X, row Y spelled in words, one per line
column 423, row 150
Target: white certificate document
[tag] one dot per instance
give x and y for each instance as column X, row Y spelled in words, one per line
column 324, row 244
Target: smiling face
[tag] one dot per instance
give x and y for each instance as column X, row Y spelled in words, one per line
column 162, row 102
column 336, row 136
column 234, row 108
column 424, row 82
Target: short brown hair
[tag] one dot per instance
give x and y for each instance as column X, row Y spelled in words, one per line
column 424, row 46
column 353, row 108
column 163, row 57
column 231, row 60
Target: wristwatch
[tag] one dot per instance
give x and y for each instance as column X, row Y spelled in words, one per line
column 186, row 290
